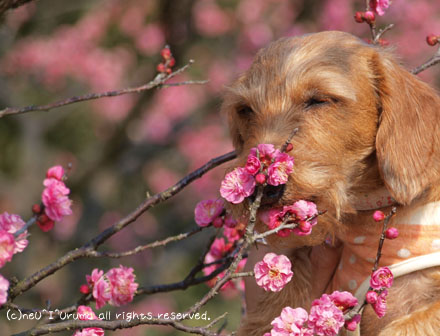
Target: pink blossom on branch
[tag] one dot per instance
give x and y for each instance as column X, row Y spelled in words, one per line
column 4, row 286
column 325, row 318
column 86, row 313
column 343, row 300
column 123, row 285
column 237, row 185
column 273, row 272
column 7, row 246
column 380, row 306
column 56, row 202
column 278, row 172
column 206, row 211
column 12, row 223
column 291, row 323
column 56, row 172
column 253, row 164
column 381, row 278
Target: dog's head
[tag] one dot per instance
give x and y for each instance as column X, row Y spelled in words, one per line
column 363, row 121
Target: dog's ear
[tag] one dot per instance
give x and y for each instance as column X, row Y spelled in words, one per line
column 408, row 136
column 229, row 110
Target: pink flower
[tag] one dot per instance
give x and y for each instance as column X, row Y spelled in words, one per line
column 353, row 323
column 237, row 185
column 266, row 153
column 379, row 6
column 233, row 234
column 371, row 297
column 274, row 218
column 56, row 202
column 343, row 300
column 378, row 216
column 380, row 307
column 325, row 318
column 7, row 246
column 253, row 164
column 290, row 323
column 123, row 285
column 4, row 286
column 278, row 172
column 383, row 277
column 206, row 211
column 11, row 224
column 86, row 314
column 56, row 172
column 101, row 287
column 391, row 233
column 230, row 221
column 273, row 272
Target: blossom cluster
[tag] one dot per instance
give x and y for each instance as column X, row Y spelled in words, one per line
column 168, row 61
column 326, row 317
column 86, row 314
column 303, row 213
column 54, row 198
column 265, row 164
column 381, row 279
column 116, row 287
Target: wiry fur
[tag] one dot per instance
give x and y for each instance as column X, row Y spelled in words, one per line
column 378, row 127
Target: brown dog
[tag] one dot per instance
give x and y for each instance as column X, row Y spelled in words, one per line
column 366, row 125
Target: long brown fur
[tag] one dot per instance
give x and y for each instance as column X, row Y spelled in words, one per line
column 377, row 125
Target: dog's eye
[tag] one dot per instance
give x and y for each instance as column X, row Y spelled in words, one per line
column 245, row 111
column 314, row 101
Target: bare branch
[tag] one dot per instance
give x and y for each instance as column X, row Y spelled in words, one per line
column 158, row 81
column 435, row 59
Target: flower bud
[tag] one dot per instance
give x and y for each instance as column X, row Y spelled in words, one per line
column 166, row 53
column 84, row 289
column 161, row 67
column 358, row 17
column 305, row 226
column 36, row 209
column 171, row 62
column 260, row 178
column 391, row 233
column 218, row 222
column 432, row 39
column 289, row 147
column 369, row 17
column 378, row 216
column 371, row 297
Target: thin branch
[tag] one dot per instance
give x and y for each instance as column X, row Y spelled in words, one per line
column 89, row 248
column 382, row 31
column 159, row 80
column 382, row 238
column 435, row 59
column 139, row 249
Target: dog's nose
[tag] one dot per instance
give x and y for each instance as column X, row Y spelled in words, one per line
column 272, row 194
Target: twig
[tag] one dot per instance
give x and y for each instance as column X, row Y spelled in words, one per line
column 93, row 244
column 382, row 31
column 159, row 80
column 138, row 249
column 435, row 59
column 382, row 238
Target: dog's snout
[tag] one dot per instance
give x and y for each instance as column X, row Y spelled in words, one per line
column 272, row 194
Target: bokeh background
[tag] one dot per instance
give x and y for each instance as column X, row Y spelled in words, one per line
column 122, row 147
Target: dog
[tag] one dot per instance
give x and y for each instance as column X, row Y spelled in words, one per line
column 368, row 138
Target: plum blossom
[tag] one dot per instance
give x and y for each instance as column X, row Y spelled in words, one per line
column 273, row 272
column 12, row 223
column 86, row 314
column 266, row 153
column 391, row 233
column 237, row 185
column 7, row 246
column 379, row 6
column 380, row 306
column 291, row 323
column 378, row 216
column 56, row 202
column 371, row 297
column 56, row 172
column 123, row 285
column 300, row 213
column 381, row 278
column 278, row 172
column 343, row 300
column 253, row 164
column 101, row 287
column 353, row 323
column 4, row 286
column 207, row 210
column 325, row 318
